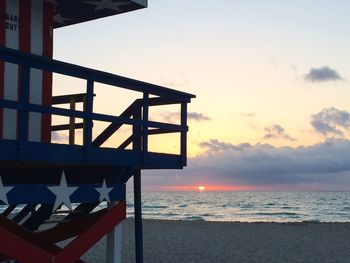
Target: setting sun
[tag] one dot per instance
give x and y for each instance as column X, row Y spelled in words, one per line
column 201, row 188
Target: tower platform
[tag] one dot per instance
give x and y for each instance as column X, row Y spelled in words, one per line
column 53, row 191
column 37, row 178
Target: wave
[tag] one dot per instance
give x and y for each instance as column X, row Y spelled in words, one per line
column 277, row 214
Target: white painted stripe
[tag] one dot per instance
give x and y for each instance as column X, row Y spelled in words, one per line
column 36, row 76
column 11, row 70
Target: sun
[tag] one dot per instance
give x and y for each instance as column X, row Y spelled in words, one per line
column 201, row 188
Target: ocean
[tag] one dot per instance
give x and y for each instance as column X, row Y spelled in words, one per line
column 245, row 206
column 242, row 206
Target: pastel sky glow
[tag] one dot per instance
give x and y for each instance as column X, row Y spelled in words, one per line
column 271, row 78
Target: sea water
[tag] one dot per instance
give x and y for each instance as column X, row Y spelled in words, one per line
column 245, row 206
column 242, row 206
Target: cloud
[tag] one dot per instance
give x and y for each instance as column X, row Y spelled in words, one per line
column 175, row 116
column 276, row 131
column 323, row 166
column 214, row 145
column 248, row 114
column 331, row 121
column 322, row 74
column 197, row 116
column 59, row 137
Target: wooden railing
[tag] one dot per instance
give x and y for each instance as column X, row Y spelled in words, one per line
column 136, row 115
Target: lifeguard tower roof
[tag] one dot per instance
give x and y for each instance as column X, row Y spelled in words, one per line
column 69, row 12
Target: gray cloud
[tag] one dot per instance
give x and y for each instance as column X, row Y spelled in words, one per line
column 59, row 137
column 322, row 74
column 324, row 166
column 197, row 116
column 215, row 145
column 175, row 116
column 331, row 121
column 276, row 131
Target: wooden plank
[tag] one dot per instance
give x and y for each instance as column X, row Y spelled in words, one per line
column 113, row 127
column 66, row 99
column 114, row 243
column 87, row 239
column 66, row 230
column 32, row 248
column 39, row 62
column 72, row 122
column 65, row 127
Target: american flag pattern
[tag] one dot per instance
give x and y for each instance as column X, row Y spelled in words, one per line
column 27, row 25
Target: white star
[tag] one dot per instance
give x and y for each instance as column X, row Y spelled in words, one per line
column 62, row 192
column 104, row 192
column 59, row 19
column 107, row 4
column 3, row 191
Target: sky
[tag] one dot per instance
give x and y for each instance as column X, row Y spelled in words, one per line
column 271, row 78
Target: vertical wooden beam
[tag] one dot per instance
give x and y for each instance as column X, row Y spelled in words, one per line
column 114, row 243
column 145, row 113
column 183, row 143
column 138, row 216
column 72, row 122
column 88, row 110
column 23, row 115
column 137, row 191
column 136, row 131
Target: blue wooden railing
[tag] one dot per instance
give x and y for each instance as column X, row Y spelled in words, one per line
column 136, row 115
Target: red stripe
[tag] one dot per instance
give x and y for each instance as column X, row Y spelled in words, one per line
column 2, row 66
column 47, row 76
column 24, row 33
column 87, row 239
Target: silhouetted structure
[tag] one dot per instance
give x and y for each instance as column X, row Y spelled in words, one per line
column 38, row 176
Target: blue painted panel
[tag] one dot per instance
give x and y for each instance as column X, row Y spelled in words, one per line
column 40, row 194
column 77, row 155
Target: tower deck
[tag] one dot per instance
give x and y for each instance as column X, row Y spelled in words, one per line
column 23, row 153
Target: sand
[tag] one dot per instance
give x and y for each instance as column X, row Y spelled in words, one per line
column 196, row 241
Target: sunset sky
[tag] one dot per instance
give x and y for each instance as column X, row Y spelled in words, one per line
column 271, row 77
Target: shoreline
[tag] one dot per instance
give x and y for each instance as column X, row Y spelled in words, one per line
column 201, row 241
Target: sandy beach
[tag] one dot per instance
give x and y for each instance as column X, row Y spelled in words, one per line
column 199, row 241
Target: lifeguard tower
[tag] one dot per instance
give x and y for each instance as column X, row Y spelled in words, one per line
column 38, row 178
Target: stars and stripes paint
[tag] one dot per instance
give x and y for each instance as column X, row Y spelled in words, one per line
column 26, row 25
column 60, row 193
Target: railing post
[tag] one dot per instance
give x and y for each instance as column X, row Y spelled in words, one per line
column 138, row 216
column 72, row 122
column 136, row 131
column 145, row 113
column 136, row 145
column 23, row 114
column 183, row 133
column 88, row 122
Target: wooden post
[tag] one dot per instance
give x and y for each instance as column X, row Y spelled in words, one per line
column 88, row 110
column 183, row 143
column 145, row 113
column 114, row 243
column 72, row 122
column 137, row 190
column 23, row 115
column 138, row 216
